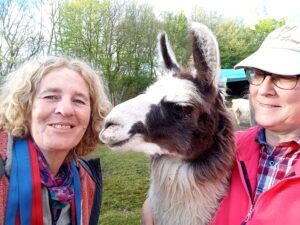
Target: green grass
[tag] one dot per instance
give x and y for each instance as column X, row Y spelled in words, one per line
column 125, row 184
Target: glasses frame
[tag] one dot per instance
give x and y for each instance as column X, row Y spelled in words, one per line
column 249, row 70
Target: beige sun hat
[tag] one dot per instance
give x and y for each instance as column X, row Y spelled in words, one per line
column 279, row 53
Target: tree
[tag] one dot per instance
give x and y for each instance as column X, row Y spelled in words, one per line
column 50, row 13
column 136, row 49
column 117, row 37
column 176, row 27
column 236, row 41
column 20, row 34
column 265, row 26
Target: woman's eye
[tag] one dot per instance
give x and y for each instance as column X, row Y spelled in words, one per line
column 51, row 97
column 79, row 101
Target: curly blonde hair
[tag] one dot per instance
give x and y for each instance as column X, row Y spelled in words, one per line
column 20, row 87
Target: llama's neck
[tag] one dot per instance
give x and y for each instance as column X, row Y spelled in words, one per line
column 178, row 177
column 172, row 173
column 177, row 195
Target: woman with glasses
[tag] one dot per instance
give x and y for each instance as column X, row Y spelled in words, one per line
column 265, row 183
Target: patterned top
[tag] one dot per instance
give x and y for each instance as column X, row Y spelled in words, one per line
column 275, row 163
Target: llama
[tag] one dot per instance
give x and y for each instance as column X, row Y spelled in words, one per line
column 182, row 122
column 241, row 110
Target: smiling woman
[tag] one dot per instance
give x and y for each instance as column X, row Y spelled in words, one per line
column 60, row 114
column 51, row 111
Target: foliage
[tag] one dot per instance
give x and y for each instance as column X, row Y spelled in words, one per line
column 125, row 185
column 176, row 27
column 135, row 50
column 235, row 40
column 117, row 37
column 20, row 34
column 265, row 26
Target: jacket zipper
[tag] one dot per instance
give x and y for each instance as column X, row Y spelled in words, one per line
column 249, row 214
column 247, row 181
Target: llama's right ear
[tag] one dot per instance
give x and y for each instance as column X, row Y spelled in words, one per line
column 167, row 56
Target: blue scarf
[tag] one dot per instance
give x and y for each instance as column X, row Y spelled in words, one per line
column 24, row 204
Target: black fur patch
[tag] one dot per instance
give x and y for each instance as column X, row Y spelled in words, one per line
column 169, row 63
column 138, row 128
column 171, row 126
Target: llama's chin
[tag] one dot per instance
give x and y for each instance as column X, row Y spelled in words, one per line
column 137, row 144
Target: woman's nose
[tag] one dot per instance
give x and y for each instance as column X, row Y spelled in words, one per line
column 65, row 107
column 267, row 86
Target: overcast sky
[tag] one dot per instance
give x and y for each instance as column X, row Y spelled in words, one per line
column 247, row 10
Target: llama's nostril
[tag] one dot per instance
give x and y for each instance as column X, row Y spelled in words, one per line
column 107, row 125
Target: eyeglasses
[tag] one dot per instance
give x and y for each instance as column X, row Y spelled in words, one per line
column 256, row 77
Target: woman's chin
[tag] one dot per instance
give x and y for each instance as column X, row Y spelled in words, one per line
column 267, row 122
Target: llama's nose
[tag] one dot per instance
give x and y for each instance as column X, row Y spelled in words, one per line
column 107, row 134
column 108, row 124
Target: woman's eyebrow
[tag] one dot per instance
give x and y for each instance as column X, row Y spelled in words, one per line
column 263, row 72
column 50, row 90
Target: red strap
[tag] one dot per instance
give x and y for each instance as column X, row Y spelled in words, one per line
column 37, row 204
column 18, row 220
column 73, row 210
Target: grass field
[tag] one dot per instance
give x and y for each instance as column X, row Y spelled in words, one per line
column 125, row 185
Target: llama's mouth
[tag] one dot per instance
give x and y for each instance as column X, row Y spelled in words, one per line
column 118, row 144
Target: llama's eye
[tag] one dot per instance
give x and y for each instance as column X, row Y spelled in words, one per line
column 181, row 111
column 178, row 108
column 187, row 110
column 176, row 111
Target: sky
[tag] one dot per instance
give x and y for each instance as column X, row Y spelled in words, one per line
column 247, row 10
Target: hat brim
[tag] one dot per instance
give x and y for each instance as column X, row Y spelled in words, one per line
column 275, row 60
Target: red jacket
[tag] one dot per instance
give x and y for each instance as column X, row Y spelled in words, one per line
column 277, row 206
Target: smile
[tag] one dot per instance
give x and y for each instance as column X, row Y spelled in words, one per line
column 59, row 126
column 269, row 105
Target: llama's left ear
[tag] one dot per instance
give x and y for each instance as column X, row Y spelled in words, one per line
column 167, row 56
column 205, row 53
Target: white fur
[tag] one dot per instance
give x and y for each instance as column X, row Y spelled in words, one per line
column 173, row 187
column 173, row 90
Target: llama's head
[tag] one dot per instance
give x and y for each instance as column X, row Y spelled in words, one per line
column 182, row 113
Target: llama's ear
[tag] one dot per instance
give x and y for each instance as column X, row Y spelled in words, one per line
column 167, row 56
column 205, row 53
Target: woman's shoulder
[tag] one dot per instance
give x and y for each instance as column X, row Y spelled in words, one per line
column 3, row 143
column 246, row 143
column 91, row 166
column 91, row 181
column 6, row 144
column 248, row 133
